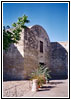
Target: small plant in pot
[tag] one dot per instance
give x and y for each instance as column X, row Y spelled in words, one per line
column 37, row 74
column 40, row 80
column 41, row 74
column 46, row 74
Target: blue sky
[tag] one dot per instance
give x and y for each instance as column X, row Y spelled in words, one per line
column 53, row 17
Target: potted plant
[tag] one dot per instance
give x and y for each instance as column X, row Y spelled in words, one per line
column 41, row 74
column 40, row 80
column 46, row 74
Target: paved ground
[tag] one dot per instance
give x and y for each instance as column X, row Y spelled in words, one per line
column 56, row 88
column 16, row 88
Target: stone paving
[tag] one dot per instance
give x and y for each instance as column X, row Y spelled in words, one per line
column 16, row 88
column 56, row 88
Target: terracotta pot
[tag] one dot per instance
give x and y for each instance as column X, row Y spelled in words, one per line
column 38, row 86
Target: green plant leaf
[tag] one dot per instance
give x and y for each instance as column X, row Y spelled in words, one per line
column 14, row 24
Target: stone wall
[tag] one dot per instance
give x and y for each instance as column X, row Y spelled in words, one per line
column 41, row 35
column 32, row 55
column 30, row 52
column 59, row 57
column 13, row 61
column 23, row 58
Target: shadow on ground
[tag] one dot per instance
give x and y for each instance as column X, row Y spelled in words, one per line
column 46, row 88
column 52, row 83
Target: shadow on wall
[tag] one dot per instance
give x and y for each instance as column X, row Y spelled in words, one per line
column 13, row 64
column 59, row 60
